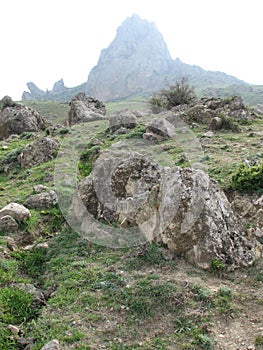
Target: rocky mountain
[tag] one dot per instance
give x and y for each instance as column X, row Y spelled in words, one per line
column 59, row 92
column 137, row 63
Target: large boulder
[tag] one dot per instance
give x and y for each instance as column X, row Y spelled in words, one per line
column 15, row 118
column 124, row 119
column 38, row 152
column 181, row 207
column 84, row 109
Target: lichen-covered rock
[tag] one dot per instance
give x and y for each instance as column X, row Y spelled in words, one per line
column 15, row 118
column 16, row 211
column 38, row 152
column 84, row 109
column 42, row 200
column 183, row 208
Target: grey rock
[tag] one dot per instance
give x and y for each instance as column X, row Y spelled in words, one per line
column 38, row 152
column 161, row 127
column 126, row 120
column 16, row 118
column 40, row 188
column 16, row 211
column 42, row 200
column 189, row 212
column 84, row 109
column 8, row 224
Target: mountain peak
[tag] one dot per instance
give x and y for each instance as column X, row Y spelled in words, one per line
column 137, row 51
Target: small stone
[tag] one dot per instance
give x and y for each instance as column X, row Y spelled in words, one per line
column 14, row 329
column 52, row 345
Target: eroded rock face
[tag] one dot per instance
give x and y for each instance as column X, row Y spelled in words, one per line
column 84, row 109
column 38, row 152
column 16, row 118
column 183, row 208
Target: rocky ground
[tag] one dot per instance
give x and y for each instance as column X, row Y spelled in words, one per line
column 69, row 284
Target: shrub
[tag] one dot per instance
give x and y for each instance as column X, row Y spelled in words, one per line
column 179, row 93
column 248, row 179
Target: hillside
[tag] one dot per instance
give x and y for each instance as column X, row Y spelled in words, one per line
column 57, row 284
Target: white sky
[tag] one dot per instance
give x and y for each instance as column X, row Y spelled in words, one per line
column 46, row 40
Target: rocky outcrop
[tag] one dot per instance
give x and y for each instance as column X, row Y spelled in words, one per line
column 59, row 92
column 181, row 207
column 15, row 118
column 84, row 109
column 38, row 152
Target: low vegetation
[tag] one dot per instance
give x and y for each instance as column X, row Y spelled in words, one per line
column 179, row 93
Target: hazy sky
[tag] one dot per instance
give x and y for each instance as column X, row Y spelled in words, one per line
column 46, row 40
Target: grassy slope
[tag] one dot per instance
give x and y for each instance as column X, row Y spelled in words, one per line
column 101, row 298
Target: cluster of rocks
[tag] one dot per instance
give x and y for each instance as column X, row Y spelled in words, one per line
column 213, row 111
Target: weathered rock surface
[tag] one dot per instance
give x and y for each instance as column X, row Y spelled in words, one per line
column 16, row 118
column 84, row 109
column 125, row 119
column 38, row 152
column 159, row 128
column 16, row 211
column 42, row 200
column 182, row 207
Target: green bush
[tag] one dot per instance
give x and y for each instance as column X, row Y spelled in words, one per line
column 179, row 93
column 248, row 179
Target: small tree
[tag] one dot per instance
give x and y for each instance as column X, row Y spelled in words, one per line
column 177, row 94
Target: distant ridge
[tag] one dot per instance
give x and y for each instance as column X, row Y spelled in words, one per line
column 137, row 63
